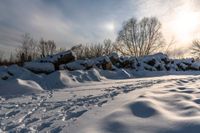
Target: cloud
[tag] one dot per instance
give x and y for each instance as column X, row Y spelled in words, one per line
column 66, row 22
column 70, row 22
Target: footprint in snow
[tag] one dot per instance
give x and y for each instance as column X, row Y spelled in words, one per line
column 71, row 115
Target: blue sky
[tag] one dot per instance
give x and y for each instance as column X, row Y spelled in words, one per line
column 70, row 22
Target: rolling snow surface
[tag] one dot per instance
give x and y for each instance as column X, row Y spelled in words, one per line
column 164, row 104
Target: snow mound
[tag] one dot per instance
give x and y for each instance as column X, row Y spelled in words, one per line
column 19, row 87
column 12, row 75
column 58, row 80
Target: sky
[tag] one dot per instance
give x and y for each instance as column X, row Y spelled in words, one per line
column 71, row 22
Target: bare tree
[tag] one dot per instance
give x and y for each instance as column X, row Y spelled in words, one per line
column 140, row 38
column 96, row 50
column 108, row 46
column 1, row 55
column 46, row 47
column 93, row 50
column 51, row 47
column 195, row 48
column 170, row 46
column 28, row 50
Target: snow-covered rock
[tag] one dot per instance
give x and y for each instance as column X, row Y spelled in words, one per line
column 76, row 65
column 187, row 61
column 60, row 58
column 114, row 58
column 38, row 67
column 3, row 73
column 195, row 66
column 157, row 57
column 155, row 62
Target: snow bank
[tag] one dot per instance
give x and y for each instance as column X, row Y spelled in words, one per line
column 14, row 75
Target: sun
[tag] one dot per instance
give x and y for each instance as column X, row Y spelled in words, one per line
column 184, row 24
column 110, row 26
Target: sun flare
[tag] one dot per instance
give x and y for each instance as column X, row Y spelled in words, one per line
column 184, row 24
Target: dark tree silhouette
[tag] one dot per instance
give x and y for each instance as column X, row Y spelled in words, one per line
column 1, row 55
column 46, row 47
column 140, row 38
column 93, row 50
column 28, row 48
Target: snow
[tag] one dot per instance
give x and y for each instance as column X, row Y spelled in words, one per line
column 146, row 105
column 56, row 80
column 143, row 98
column 166, row 106
column 19, row 87
column 61, row 79
column 40, row 67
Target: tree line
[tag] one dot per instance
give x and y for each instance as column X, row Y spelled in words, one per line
column 136, row 38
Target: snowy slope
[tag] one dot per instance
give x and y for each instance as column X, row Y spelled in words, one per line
column 165, row 104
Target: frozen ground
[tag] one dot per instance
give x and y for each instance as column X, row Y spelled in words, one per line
column 165, row 104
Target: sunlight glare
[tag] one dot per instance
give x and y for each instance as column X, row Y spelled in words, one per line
column 110, row 26
column 185, row 24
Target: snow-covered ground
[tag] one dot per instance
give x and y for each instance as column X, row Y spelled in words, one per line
column 164, row 104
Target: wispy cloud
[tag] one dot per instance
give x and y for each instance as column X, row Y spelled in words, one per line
column 70, row 22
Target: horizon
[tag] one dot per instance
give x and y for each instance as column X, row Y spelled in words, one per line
column 70, row 22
